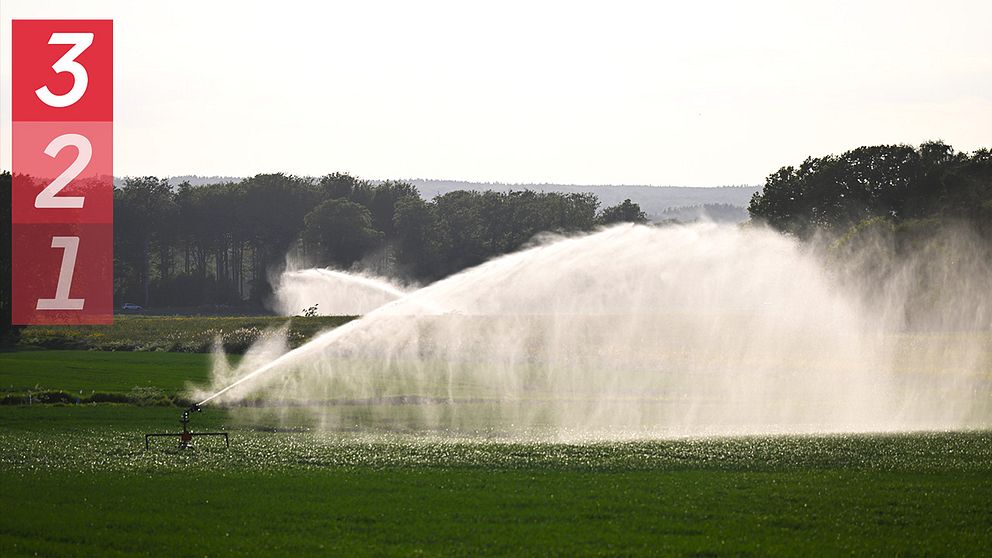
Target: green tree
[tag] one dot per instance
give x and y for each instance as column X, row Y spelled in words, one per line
column 624, row 212
column 141, row 207
column 382, row 203
column 340, row 232
column 337, row 185
column 419, row 243
column 894, row 182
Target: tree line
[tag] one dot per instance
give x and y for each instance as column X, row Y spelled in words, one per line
column 221, row 244
column 896, row 185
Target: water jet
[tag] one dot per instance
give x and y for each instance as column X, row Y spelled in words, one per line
column 640, row 331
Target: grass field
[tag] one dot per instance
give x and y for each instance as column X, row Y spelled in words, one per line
column 76, row 480
column 70, row 376
column 100, row 371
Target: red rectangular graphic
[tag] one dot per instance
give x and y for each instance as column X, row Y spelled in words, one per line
column 64, row 172
column 62, row 70
column 62, row 154
column 63, row 274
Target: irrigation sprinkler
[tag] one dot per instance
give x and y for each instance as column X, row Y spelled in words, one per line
column 185, row 437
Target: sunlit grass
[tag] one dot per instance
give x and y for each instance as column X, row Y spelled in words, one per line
column 77, row 480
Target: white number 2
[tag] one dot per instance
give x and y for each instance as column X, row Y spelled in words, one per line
column 70, row 247
column 80, row 42
column 46, row 198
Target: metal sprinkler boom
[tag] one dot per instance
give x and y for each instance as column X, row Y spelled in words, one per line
column 186, row 436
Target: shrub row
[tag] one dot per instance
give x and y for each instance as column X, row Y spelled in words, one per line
column 175, row 334
column 139, row 397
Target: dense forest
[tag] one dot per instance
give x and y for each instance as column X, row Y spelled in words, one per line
column 220, row 244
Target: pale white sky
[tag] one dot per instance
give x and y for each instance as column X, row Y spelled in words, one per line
column 664, row 93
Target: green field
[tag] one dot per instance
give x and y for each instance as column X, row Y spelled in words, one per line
column 32, row 376
column 100, row 371
column 76, row 480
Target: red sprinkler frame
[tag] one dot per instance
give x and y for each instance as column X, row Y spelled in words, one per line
column 185, row 437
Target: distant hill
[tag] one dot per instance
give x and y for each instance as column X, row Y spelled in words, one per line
column 193, row 179
column 654, row 200
column 721, row 203
column 716, row 212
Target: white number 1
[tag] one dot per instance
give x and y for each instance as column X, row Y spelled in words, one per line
column 80, row 42
column 69, row 246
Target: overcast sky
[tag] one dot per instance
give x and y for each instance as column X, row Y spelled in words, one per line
column 663, row 93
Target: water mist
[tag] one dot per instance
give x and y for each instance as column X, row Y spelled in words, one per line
column 334, row 293
column 633, row 331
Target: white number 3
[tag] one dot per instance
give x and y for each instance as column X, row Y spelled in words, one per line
column 80, row 42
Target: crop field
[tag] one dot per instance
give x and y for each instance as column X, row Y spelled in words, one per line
column 293, row 493
column 300, row 492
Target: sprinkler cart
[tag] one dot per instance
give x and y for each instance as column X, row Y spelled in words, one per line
column 185, row 437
